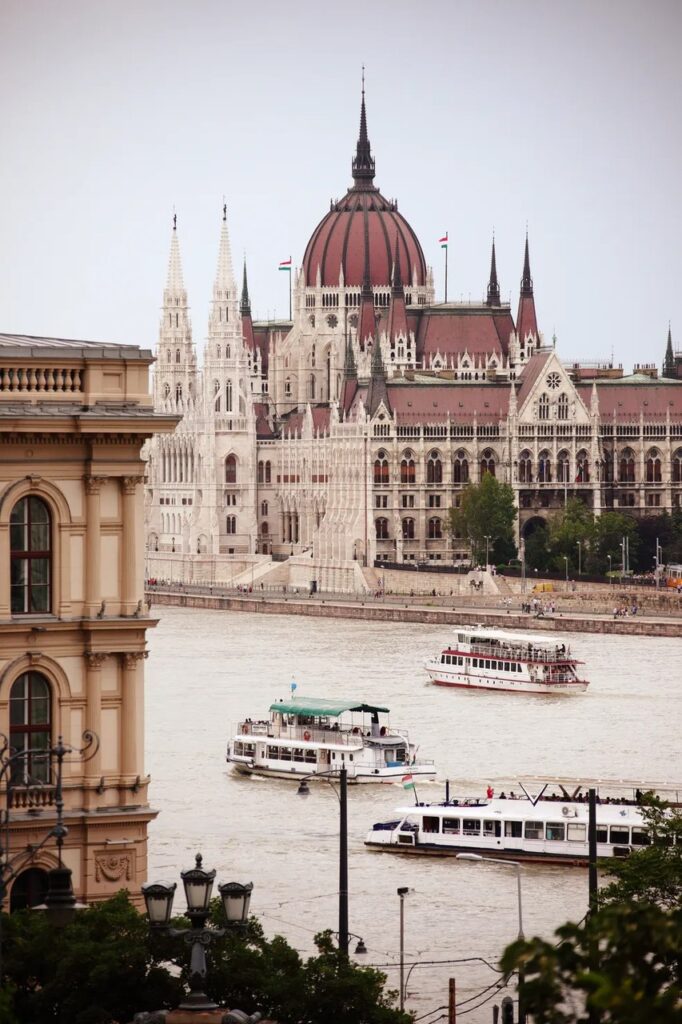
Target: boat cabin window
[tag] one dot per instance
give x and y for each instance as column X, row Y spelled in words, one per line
column 451, row 826
column 640, row 836
column 430, row 824
column 471, row 827
column 577, row 833
column 555, row 830
column 273, row 753
column 285, row 753
column 619, row 835
column 506, row 666
column 534, row 830
column 513, row 829
column 492, row 828
column 602, row 835
column 298, row 754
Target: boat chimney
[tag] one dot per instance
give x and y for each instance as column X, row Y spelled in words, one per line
column 447, row 791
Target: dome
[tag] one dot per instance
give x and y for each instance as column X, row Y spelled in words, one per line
column 359, row 233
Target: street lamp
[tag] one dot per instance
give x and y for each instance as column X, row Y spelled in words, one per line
column 566, row 562
column 580, row 555
column 402, row 893
column 19, row 770
column 487, row 547
column 198, row 885
column 610, row 577
column 510, row 864
column 342, row 797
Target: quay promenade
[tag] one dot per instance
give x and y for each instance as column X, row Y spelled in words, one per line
column 584, row 609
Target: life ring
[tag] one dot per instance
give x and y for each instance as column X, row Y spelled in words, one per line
column 306, row 735
column 566, row 811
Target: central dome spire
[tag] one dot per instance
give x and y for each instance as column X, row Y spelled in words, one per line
column 363, row 161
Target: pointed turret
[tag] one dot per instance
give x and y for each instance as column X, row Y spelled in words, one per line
column 493, row 298
column 376, row 392
column 175, row 287
column 363, row 161
column 245, row 310
column 669, row 369
column 223, row 312
column 366, row 321
column 397, row 314
column 175, row 376
column 350, row 377
column 526, row 321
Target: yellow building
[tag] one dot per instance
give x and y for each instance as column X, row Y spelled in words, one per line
column 73, row 418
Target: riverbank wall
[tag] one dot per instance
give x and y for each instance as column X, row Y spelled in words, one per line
column 400, row 611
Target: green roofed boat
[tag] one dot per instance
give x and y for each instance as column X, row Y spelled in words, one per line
column 312, row 735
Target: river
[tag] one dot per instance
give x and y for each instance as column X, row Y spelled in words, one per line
column 208, row 669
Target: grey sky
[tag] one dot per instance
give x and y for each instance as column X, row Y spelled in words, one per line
column 482, row 115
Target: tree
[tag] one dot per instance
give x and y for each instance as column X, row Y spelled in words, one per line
column 653, row 873
column 106, row 966
column 573, row 526
column 610, row 528
column 486, row 510
column 537, row 549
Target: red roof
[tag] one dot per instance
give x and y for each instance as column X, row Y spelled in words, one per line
column 429, row 403
column 363, row 218
column 294, row 422
column 476, row 330
column 653, row 400
column 530, row 374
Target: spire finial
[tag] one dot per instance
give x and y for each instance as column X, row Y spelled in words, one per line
column 245, row 304
column 224, row 209
column 175, row 220
column 397, row 276
column 669, row 369
column 526, row 279
column 493, row 284
column 363, row 161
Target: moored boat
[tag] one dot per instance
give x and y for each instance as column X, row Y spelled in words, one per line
column 493, row 659
column 550, row 830
column 310, row 736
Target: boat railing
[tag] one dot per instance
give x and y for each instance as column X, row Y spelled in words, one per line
column 348, row 736
column 522, row 652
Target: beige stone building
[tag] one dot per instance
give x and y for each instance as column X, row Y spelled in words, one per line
column 73, row 418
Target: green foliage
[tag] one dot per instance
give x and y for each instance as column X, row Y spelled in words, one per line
column 106, row 967
column 623, row 963
column 652, row 873
column 486, row 509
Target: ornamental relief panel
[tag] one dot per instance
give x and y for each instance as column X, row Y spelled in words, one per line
column 114, row 867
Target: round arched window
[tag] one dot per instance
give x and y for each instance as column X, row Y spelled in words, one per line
column 30, row 556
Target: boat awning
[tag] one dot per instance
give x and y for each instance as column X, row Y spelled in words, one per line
column 319, row 706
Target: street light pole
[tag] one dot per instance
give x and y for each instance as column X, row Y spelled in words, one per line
column 580, row 557
column 487, row 549
column 402, row 893
column 342, row 797
column 566, row 563
column 610, row 577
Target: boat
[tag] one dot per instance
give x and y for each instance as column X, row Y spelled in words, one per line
column 313, row 736
column 550, row 830
column 492, row 659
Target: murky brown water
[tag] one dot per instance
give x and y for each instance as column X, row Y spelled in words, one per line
column 209, row 669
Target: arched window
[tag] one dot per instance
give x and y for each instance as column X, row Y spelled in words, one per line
column 607, row 468
column 30, row 556
column 287, row 386
column 177, row 355
column 525, row 468
column 261, row 473
column 264, row 529
column 166, row 391
column 562, row 407
column 408, row 529
column 216, row 394
column 30, row 715
column 268, row 472
column 460, row 468
column 677, row 467
column 562, row 467
column 263, row 508
column 488, row 462
column 381, row 469
column 231, row 469
column 168, row 355
column 434, row 469
column 382, row 528
column 311, row 387
column 544, row 468
column 543, row 408
column 653, row 467
column 583, row 467
column 178, row 392
column 435, row 529
column 228, row 396
column 407, row 475
column 626, row 473
column 231, row 524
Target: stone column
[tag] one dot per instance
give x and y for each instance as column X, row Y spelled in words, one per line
column 93, row 721
column 130, row 592
column 131, row 725
column 93, row 572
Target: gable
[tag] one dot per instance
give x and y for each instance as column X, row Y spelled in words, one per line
column 548, row 394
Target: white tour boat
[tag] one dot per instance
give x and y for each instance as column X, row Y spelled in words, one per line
column 551, row 830
column 311, row 736
column 492, row 659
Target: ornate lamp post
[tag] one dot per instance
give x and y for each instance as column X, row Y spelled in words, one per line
column 198, row 884
column 342, row 797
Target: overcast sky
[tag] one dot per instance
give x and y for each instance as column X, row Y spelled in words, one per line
column 566, row 116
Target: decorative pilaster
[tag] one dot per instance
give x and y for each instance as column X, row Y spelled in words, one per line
column 93, row 716
column 93, row 571
column 132, row 715
column 129, row 581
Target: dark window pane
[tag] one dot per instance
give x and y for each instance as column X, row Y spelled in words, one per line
column 40, row 537
column 18, row 572
column 40, row 568
column 39, row 512
column 16, row 537
column 40, row 599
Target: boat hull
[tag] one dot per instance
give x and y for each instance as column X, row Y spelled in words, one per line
column 433, row 850
column 388, row 776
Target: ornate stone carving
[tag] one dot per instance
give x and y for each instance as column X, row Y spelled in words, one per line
column 93, row 484
column 131, row 658
column 129, row 483
column 113, row 866
column 95, row 659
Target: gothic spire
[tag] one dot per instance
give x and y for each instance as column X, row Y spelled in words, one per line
column 493, row 284
column 526, row 280
column 245, row 304
column 669, row 360
column 363, row 161
column 377, row 391
column 224, row 278
column 350, row 371
column 397, row 276
column 175, row 284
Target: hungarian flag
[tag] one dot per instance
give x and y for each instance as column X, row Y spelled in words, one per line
column 408, row 782
column 286, row 265
column 443, row 242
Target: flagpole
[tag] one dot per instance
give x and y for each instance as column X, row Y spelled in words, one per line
column 446, row 273
column 290, row 287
